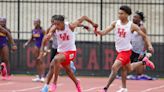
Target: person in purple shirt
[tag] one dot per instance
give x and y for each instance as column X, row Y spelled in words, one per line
column 37, row 36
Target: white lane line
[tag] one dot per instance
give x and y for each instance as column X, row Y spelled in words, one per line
column 32, row 88
column 154, row 88
column 94, row 88
column 27, row 89
column 8, row 83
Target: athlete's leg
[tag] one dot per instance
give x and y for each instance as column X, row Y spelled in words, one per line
column 115, row 67
column 53, row 53
column 123, row 76
column 40, row 66
column 72, row 76
column 50, row 71
column 56, row 68
column 131, row 67
column 49, row 78
column 51, row 68
column 70, row 73
column 72, row 66
column 5, row 57
column 57, row 61
column 140, row 70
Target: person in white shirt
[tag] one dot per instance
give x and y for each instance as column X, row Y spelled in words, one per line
column 138, row 50
column 66, row 49
column 124, row 29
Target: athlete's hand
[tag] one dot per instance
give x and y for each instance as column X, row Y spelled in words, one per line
column 48, row 36
column 148, row 55
column 14, row 48
column 86, row 27
column 25, row 45
column 95, row 25
column 140, row 56
column 46, row 51
column 95, row 28
column 151, row 49
column 40, row 56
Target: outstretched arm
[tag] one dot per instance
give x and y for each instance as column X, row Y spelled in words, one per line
column 46, row 38
column 143, row 29
column 8, row 34
column 107, row 30
column 28, row 42
column 78, row 22
column 145, row 37
column 48, row 29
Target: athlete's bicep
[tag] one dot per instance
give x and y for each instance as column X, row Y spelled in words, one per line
column 76, row 23
column 143, row 29
column 110, row 28
column 52, row 29
column 50, row 33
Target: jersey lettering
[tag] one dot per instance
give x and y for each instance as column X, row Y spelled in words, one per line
column 121, row 32
column 64, row 37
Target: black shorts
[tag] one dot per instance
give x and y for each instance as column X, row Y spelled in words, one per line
column 53, row 53
column 134, row 57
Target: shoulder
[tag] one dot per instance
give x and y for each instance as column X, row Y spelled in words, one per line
column 48, row 29
column 134, row 27
column 142, row 27
column 52, row 29
column 70, row 26
column 113, row 24
column 33, row 30
column 8, row 30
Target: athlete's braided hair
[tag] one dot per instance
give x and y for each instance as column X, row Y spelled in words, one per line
column 141, row 14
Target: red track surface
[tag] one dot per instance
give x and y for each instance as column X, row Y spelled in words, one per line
column 23, row 83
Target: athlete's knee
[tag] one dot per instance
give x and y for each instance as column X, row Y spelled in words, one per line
column 39, row 62
column 56, row 60
column 52, row 66
column 139, row 71
column 68, row 70
column 130, row 69
column 113, row 71
column 5, row 60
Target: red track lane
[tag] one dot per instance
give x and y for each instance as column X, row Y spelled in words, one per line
column 22, row 83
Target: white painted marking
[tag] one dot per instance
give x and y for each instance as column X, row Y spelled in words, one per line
column 32, row 88
column 94, row 88
column 8, row 83
column 154, row 88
